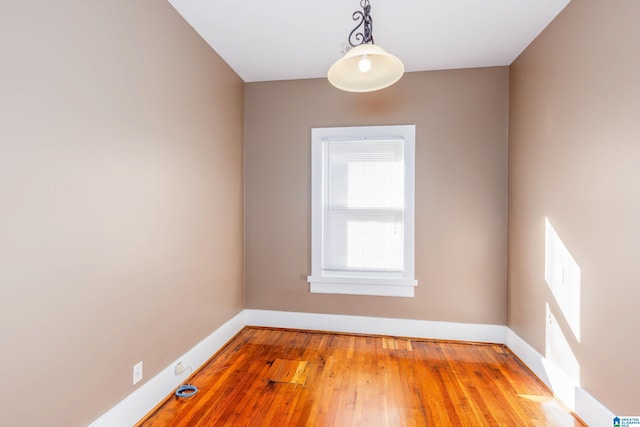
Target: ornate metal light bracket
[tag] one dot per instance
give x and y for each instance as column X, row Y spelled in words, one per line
column 366, row 22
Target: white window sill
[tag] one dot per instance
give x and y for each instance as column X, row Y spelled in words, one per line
column 358, row 286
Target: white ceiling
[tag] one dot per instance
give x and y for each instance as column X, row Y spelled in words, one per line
column 293, row 39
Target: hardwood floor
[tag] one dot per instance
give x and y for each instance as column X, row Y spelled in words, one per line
column 272, row 377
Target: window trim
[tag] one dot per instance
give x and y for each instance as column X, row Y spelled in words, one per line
column 319, row 281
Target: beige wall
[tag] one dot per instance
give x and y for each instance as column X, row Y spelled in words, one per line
column 120, row 201
column 574, row 151
column 461, row 137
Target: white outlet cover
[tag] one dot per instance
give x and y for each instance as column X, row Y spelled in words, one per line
column 137, row 372
column 179, row 368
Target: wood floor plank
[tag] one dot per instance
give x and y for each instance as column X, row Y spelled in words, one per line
column 276, row 377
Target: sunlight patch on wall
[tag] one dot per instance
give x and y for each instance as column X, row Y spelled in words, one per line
column 560, row 362
column 563, row 276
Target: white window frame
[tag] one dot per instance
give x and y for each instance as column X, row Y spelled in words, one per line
column 402, row 284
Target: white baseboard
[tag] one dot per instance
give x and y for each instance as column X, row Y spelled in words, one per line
column 144, row 399
column 572, row 395
column 135, row 406
column 528, row 355
column 377, row 326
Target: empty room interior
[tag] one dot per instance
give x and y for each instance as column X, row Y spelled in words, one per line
column 158, row 195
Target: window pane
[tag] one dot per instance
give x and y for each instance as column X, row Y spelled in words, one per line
column 363, row 200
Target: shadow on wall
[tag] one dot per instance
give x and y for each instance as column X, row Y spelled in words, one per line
column 562, row 317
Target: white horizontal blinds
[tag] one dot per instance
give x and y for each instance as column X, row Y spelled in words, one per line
column 363, row 205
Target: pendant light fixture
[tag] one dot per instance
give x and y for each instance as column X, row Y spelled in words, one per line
column 365, row 67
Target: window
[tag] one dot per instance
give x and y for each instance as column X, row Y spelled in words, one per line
column 362, row 210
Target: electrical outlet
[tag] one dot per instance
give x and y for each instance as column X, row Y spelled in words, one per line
column 179, row 368
column 137, row 372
